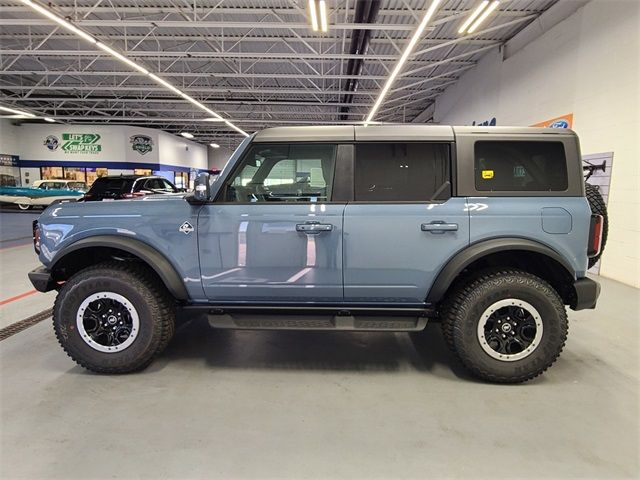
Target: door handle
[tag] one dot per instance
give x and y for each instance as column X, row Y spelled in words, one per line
column 439, row 227
column 313, row 228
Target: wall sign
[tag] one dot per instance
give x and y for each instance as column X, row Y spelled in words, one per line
column 141, row 143
column 51, row 142
column 565, row 121
column 81, row 143
column 8, row 160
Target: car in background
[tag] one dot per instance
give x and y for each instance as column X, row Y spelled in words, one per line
column 43, row 193
column 128, row 186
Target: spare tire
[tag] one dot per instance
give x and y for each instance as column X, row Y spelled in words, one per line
column 598, row 207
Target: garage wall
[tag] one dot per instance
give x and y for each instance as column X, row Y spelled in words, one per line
column 116, row 145
column 8, row 137
column 586, row 65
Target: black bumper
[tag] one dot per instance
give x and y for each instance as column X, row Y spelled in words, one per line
column 587, row 292
column 41, row 279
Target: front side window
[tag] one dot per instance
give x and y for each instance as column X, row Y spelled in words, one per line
column 514, row 166
column 283, row 173
column 402, row 172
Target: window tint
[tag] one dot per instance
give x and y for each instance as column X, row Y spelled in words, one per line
column 283, row 173
column 111, row 185
column 520, row 166
column 409, row 172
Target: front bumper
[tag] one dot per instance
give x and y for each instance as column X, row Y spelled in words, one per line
column 41, row 279
column 587, row 293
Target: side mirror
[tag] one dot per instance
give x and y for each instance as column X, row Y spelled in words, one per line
column 202, row 190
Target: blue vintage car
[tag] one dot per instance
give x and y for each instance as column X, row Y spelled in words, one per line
column 43, row 193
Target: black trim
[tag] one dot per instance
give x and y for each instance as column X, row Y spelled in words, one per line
column 481, row 249
column 338, row 309
column 41, row 279
column 587, row 293
column 342, row 190
column 157, row 261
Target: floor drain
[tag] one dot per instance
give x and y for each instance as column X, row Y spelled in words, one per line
column 17, row 327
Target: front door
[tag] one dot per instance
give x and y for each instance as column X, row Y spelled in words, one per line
column 273, row 235
column 403, row 225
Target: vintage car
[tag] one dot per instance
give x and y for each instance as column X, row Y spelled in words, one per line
column 43, row 193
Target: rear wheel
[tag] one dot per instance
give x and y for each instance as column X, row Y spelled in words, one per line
column 24, row 206
column 113, row 318
column 598, row 207
column 506, row 326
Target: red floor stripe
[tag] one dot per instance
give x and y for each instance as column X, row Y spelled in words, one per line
column 18, row 297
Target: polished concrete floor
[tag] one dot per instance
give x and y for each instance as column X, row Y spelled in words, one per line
column 224, row 404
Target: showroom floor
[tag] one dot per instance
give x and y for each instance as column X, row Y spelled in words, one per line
column 224, row 404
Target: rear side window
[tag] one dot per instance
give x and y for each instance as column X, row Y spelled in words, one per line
column 114, row 184
column 402, row 172
column 513, row 166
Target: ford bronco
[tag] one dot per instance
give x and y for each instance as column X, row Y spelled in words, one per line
column 487, row 230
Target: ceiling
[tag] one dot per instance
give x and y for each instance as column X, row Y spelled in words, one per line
column 255, row 62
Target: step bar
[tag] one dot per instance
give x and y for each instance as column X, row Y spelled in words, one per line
column 266, row 317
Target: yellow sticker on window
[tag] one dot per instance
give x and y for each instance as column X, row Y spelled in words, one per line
column 487, row 174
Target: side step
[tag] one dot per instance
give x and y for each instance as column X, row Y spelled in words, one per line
column 309, row 318
column 315, row 322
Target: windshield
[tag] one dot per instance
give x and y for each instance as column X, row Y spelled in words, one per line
column 115, row 184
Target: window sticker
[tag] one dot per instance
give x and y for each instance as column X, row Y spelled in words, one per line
column 487, row 174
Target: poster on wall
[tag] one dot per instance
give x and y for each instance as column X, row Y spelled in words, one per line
column 565, row 121
column 597, row 169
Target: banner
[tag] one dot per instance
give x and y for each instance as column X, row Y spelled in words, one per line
column 565, row 121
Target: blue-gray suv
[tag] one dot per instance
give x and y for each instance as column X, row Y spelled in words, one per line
column 487, row 230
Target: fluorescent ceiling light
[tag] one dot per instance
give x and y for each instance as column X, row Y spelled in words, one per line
column 483, row 17
column 412, row 43
column 214, row 145
column 314, row 15
column 473, row 16
column 324, row 24
column 214, row 119
column 114, row 53
column 59, row 20
column 49, row 119
column 186, row 135
column 122, row 58
column 17, row 112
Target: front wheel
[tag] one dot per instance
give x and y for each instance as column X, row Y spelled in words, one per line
column 24, row 206
column 506, row 326
column 113, row 317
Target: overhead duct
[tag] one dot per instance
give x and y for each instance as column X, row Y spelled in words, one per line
column 366, row 12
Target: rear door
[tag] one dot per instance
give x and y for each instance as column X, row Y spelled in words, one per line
column 274, row 234
column 404, row 223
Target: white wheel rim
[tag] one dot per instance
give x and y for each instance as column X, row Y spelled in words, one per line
column 133, row 324
column 508, row 334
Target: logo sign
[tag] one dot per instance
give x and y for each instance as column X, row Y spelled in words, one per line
column 81, row 143
column 565, row 121
column 51, row 142
column 186, row 228
column 9, row 160
column 141, row 143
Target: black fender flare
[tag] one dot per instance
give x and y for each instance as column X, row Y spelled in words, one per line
column 476, row 251
column 152, row 257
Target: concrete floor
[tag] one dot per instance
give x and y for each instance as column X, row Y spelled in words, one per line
column 224, row 404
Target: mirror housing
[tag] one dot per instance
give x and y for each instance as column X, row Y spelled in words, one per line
column 202, row 188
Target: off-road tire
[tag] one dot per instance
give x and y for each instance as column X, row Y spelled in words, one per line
column 462, row 311
column 598, row 207
column 154, row 305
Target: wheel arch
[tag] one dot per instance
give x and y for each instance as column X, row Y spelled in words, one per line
column 92, row 250
column 528, row 255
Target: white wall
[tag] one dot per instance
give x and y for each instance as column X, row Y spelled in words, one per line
column 587, row 65
column 28, row 141
column 218, row 157
column 8, row 137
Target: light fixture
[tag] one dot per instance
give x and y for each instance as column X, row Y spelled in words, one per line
column 122, row 58
column 187, row 135
column 409, row 48
column 214, row 119
column 473, row 16
column 59, row 20
column 119, row 56
column 314, row 15
column 324, row 24
column 483, row 17
column 318, row 10
column 49, row 119
column 214, row 145
column 17, row 112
